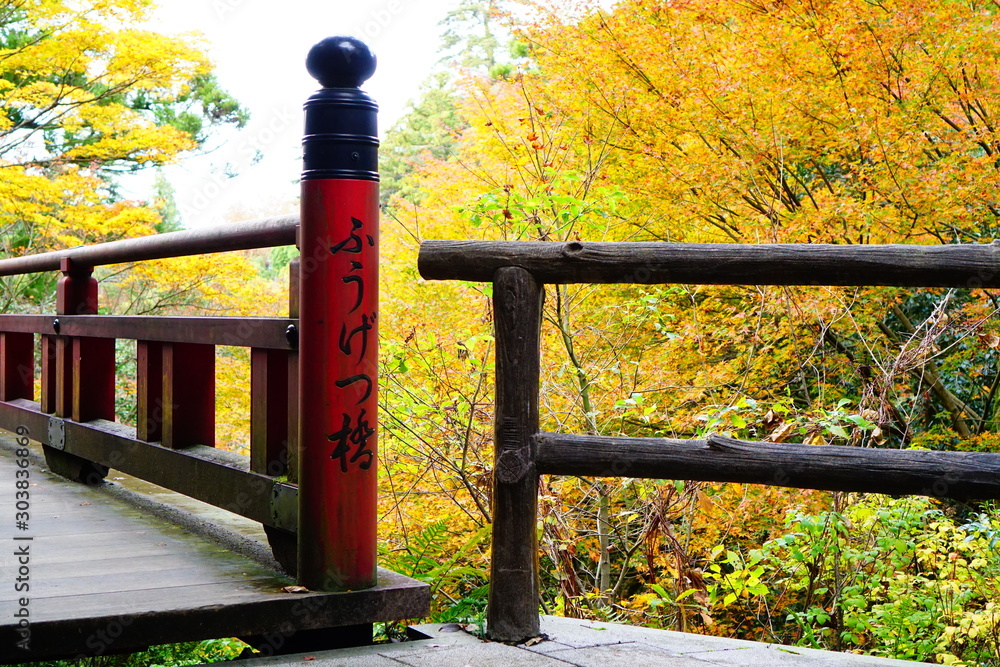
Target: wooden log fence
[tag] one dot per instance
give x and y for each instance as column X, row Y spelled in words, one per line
column 958, row 475
column 519, row 269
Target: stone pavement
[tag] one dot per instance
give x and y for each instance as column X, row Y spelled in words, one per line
column 573, row 642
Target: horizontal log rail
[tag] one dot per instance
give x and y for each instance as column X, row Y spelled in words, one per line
column 965, row 265
column 512, row 614
column 263, row 233
column 958, row 475
column 277, row 333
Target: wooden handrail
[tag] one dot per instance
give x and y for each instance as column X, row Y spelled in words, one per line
column 958, row 475
column 965, row 265
column 263, row 233
column 277, row 333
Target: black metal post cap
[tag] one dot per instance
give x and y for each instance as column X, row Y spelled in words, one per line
column 341, row 62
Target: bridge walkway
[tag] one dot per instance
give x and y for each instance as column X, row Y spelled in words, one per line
column 93, row 570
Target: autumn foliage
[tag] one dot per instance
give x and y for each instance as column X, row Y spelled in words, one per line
column 86, row 96
column 844, row 122
column 793, row 121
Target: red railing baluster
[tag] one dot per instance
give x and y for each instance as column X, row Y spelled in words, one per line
column 188, row 395
column 93, row 379
column 293, row 375
column 268, row 411
column 149, row 391
column 17, row 366
column 49, row 377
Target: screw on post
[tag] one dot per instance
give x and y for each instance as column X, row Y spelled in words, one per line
column 338, row 323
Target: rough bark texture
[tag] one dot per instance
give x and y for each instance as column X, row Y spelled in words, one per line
column 512, row 615
column 959, row 475
column 967, row 265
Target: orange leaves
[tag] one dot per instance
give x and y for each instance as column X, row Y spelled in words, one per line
column 839, row 121
column 753, row 112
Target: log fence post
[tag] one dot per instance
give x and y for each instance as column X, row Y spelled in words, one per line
column 512, row 612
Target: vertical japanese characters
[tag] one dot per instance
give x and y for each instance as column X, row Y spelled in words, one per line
column 351, row 440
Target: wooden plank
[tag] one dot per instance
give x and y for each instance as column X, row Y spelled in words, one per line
column 195, row 573
column 213, row 476
column 80, row 556
column 958, row 475
column 93, row 379
column 958, row 265
column 17, row 366
column 69, row 522
column 50, row 570
column 139, row 542
column 512, row 614
column 109, row 538
column 188, row 395
column 149, row 390
column 264, row 332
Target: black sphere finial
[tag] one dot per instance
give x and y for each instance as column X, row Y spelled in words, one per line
column 341, row 62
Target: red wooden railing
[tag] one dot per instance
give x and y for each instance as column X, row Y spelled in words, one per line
column 310, row 478
column 173, row 441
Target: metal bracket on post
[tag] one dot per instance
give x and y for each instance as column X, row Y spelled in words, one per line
column 57, row 433
column 285, row 506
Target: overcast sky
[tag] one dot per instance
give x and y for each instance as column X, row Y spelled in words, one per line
column 259, row 48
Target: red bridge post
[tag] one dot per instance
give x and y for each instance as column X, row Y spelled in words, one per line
column 80, row 385
column 338, row 323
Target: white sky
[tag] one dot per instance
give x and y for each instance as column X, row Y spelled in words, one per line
column 259, row 48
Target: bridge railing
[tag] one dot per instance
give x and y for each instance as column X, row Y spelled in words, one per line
column 311, row 477
column 173, row 442
column 519, row 271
